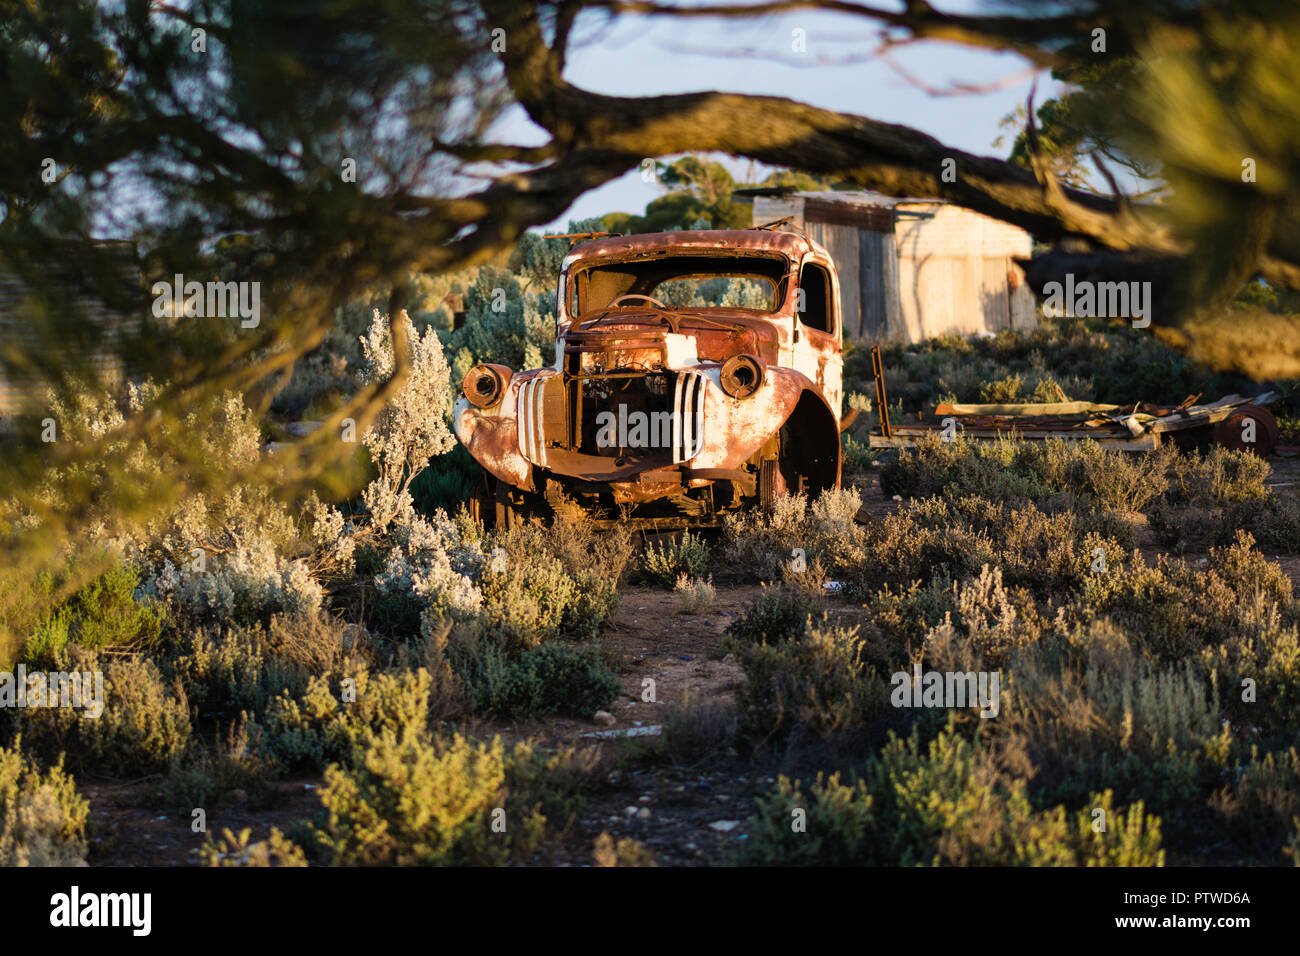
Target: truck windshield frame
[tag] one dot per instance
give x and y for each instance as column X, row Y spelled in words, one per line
column 591, row 287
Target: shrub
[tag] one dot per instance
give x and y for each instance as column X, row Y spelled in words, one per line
column 241, row 668
column 571, row 548
column 1263, row 656
column 409, row 802
column 775, row 615
column 1021, row 471
column 42, row 817
column 549, row 679
column 239, row 850
column 1108, row 719
column 1273, row 521
column 762, row 545
column 696, row 594
column 225, row 671
column 448, row 482
column 663, row 562
column 323, row 725
column 1220, row 476
column 1261, row 808
column 144, row 727
column 248, row 584
column 525, row 603
column 818, row 683
column 1176, row 610
column 212, row 778
column 696, row 730
column 605, row 852
column 831, row 825
column 103, row 613
column 946, row 805
column 430, row 568
column 412, row 427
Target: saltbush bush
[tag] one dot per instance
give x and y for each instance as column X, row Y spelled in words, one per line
column 945, row 804
column 42, row 816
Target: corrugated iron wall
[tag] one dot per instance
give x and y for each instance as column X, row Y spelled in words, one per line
column 842, row 242
column 878, row 279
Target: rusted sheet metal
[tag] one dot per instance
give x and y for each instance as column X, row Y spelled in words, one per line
column 737, row 403
column 1131, row 428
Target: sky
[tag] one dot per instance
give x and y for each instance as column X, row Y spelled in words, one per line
column 647, row 55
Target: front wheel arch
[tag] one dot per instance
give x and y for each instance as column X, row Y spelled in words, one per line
column 809, row 457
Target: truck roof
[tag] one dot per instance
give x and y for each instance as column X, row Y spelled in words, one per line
column 740, row 241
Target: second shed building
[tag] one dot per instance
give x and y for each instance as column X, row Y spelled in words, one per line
column 910, row 269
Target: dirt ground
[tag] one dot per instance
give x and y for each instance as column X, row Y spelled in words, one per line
column 684, row 815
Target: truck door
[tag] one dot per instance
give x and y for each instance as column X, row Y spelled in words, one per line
column 816, row 350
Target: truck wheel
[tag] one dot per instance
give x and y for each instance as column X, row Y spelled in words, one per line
column 1248, row 428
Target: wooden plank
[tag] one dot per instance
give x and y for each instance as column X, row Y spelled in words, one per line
column 1125, row 443
column 1040, row 408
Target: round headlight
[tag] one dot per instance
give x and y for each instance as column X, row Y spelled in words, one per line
column 485, row 384
column 741, row 376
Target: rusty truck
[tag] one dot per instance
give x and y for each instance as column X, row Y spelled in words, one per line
column 695, row 372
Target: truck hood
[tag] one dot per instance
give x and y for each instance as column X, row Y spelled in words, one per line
column 718, row 333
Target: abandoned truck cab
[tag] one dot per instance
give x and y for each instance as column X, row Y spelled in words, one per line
column 695, row 372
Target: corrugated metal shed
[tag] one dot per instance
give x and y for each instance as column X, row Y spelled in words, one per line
column 911, row 268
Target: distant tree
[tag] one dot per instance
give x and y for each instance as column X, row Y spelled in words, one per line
column 1080, row 126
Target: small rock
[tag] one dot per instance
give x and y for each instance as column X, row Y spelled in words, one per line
column 630, row 811
column 302, row 429
column 724, row 826
column 353, row 634
column 604, row 718
column 643, row 813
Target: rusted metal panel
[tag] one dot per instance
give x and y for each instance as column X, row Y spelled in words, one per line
column 856, row 215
